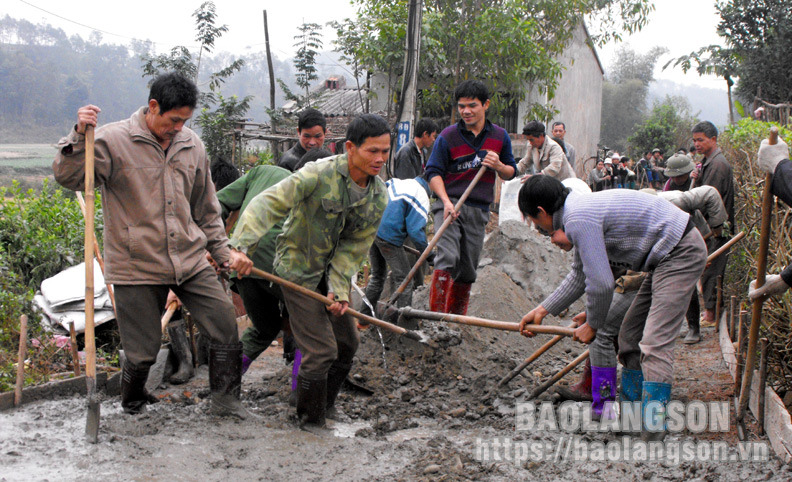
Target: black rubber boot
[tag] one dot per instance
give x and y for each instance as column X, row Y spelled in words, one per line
column 335, row 378
column 180, row 345
column 134, row 396
column 311, row 401
column 225, row 380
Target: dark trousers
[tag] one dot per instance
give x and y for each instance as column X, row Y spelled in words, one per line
column 459, row 248
column 709, row 279
column 321, row 337
column 139, row 310
column 381, row 255
column 263, row 305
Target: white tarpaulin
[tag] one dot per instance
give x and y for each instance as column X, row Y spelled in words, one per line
column 509, row 210
column 62, row 298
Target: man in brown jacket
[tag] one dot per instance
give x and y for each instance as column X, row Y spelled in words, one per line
column 160, row 216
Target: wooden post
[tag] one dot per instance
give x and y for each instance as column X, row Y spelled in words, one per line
column 20, row 379
column 718, row 303
column 738, row 353
column 732, row 316
column 74, row 353
column 269, row 63
column 760, row 412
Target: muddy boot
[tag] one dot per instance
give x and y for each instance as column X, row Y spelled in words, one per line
column 654, row 399
column 311, row 402
column 579, row 392
column 438, row 292
column 693, row 335
column 225, row 380
column 289, row 347
column 458, row 298
column 335, row 378
column 180, row 345
column 603, row 392
column 134, row 395
column 631, row 385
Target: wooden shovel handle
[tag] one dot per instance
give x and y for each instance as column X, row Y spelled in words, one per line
column 483, row 322
column 90, row 342
column 327, row 301
column 436, row 237
column 168, row 315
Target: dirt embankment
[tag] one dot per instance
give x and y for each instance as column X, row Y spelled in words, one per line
column 427, row 419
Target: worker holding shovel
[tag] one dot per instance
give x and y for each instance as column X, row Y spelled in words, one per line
column 332, row 209
column 774, row 159
column 658, row 238
column 160, row 216
column 460, row 152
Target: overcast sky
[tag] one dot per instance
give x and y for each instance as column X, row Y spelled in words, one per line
column 679, row 25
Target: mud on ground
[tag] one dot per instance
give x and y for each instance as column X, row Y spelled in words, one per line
column 428, row 414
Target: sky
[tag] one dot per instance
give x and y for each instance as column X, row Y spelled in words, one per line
column 679, row 25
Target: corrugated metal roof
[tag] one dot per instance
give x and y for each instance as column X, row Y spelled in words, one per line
column 343, row 102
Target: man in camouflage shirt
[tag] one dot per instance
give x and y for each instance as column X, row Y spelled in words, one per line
column 332, row 209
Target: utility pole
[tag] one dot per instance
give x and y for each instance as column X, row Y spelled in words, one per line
column 409, row 93
column 269, row 64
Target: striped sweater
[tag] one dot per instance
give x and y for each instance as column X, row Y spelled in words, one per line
column 457, row 157
column 617, row 228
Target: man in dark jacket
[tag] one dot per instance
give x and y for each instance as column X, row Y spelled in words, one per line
column 409, row 162
column 311, row 127
column 716, row 172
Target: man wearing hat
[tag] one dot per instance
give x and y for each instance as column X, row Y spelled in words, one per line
column 678, row 171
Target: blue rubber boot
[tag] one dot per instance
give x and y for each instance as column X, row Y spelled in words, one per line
column 631, row 385
column 603, row 392
column 654, row 400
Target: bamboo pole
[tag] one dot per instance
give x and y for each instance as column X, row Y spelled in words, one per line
column 20, row 378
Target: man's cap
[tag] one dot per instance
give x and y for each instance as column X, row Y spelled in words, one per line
column 615, row 155
column 655, row 150
column 678, row 165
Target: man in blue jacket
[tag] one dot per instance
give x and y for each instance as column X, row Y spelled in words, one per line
column 406, row 215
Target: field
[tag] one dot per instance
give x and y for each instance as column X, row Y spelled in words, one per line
column 28, row 164
column 26, row 155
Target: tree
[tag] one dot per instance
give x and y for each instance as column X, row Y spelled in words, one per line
column 309, row 41
column 667, row 127
column 757, row 34
column 510, row 44
column 215, row 120
column 624, row 94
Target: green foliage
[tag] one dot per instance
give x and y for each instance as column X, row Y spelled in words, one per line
column 217, row 125
column 309, row 41
column 667, row 127
column 739, row 143
column 512, row 45
column 44, row 231
column 624, row 95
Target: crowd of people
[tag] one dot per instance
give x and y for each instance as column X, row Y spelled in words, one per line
column 313, row 220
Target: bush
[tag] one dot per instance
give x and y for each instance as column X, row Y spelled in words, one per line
column 740, row 143
column 41, row 233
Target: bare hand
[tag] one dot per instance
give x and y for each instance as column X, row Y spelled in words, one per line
column 524, row 178
column 449, row 210
column 492, row 160
column 339, row 307
column 584, row 334
column 534, row 317
column 240, row 263
column 213, row 263
column 579, row 319
column 87, row 116
column 171, row 299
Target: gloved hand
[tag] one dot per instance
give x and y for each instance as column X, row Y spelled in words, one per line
column 769, row 156
column 774, row 285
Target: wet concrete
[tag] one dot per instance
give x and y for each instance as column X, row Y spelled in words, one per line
column 432, row 411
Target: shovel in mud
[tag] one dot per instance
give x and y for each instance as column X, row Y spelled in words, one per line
column 92, row 422
column 411, row 334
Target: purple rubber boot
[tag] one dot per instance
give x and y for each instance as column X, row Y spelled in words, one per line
column 603, row 389
column 246, row 363
column 295, row 373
